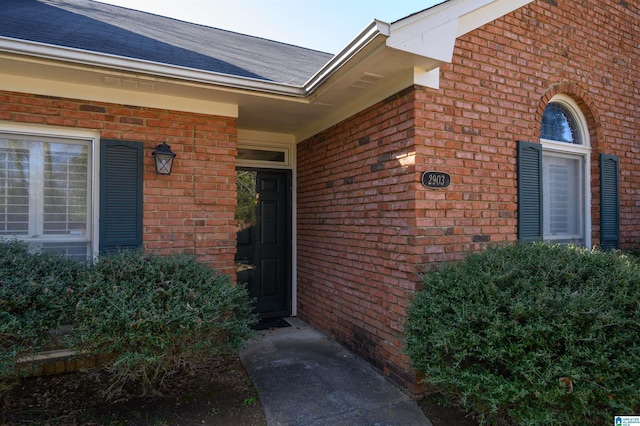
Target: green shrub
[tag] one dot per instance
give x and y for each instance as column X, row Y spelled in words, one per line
column 36, row 296
column 532, row 334
column 149, row 316
column 157, row 315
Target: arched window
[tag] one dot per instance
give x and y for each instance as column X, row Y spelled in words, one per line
column 565, row 156
column 560, row 124
column 565, row 159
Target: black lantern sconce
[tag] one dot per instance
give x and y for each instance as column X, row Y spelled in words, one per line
column 163, row 157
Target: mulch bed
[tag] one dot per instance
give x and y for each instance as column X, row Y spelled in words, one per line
column 217, row 393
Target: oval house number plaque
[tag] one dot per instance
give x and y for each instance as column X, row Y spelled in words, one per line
column 436, row 179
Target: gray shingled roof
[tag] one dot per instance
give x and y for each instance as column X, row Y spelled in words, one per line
column 98, row 27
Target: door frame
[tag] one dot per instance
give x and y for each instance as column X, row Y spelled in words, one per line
column 256, row 140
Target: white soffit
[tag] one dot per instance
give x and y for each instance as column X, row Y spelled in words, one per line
column 432, row 33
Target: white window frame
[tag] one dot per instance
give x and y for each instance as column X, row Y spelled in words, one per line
column 285, row 150
column 91, row 138
column 581, row 152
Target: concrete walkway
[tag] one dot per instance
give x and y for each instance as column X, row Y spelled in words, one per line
column 305, row 378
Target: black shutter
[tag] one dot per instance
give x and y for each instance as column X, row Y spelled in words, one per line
column 529, row 191
column 609, row 202
column 120, row 195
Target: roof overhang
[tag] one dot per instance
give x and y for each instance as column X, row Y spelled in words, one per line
column 382, row 60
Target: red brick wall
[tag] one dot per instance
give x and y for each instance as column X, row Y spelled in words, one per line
column 494, row 93
column 357, row 231
column 365, row 225
column 199, row 218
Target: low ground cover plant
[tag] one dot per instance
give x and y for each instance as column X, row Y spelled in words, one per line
column 532, row 334
column 146, row 316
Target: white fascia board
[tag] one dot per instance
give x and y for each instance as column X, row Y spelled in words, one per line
column 488, row 13
column 114, row 95
column 366, row 36
column 425, row 39
column 121, row 63
column 433, row 32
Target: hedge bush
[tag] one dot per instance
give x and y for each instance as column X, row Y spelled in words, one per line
column 147, row 316
column 37, row 292
column 532, row 334
column 157, row 315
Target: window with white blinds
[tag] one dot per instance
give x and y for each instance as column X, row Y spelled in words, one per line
column 565, row 174
column 45, row 192
column 563, row 199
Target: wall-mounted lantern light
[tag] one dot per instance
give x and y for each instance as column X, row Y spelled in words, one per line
column 164, row 158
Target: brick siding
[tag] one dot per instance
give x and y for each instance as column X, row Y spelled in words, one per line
column 190, row 211
column 357, row 230
column 365, row 224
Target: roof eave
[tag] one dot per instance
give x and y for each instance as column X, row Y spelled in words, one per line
column 372, row 32
column 121, row 63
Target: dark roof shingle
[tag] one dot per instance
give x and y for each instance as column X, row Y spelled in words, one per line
column 102, row 28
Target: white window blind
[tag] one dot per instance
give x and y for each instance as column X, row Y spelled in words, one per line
column 65, row 190
column 45, row 191
column 14, row 191
column 563, row 201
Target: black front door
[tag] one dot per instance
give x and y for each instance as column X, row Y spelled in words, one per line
column 263, row 260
